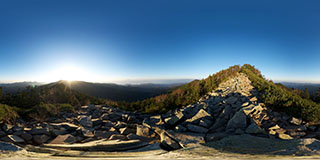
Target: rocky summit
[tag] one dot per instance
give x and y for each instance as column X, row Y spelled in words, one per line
column 232, row 112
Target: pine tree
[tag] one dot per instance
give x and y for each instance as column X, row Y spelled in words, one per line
column 306, row 93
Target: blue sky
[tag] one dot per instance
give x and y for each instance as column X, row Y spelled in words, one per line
column 116, row 40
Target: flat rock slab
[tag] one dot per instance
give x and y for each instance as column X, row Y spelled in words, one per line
column 101, row 145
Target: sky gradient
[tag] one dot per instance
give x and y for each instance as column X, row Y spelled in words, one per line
column 117, row 40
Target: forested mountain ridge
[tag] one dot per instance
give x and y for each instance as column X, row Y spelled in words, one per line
column 275, row 96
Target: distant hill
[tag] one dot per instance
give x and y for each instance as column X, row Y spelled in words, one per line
column 14, row 87
column 117, row 92
column 312, row 87
column 110, row 91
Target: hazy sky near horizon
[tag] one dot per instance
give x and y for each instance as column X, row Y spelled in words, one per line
column 113, row 40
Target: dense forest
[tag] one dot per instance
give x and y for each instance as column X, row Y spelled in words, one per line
column 39, row 103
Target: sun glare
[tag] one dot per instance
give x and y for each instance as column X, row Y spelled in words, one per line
column 69, row 73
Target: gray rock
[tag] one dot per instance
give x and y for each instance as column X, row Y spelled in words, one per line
column 114, row 116
column 87, row 132
column 5, row 146
column 57, row 132
column 187, row 139
column 104, row 134
column 12, row 139
column 231, row 100
column 66, row 125
column 239, row 120
column 96, row 113
column 118, row 136
column 2, row 133
column 196, row 118
column 126, row 130
column 85, row 121
column 284, row 136
column 253, row 128
column 26, row 136
column 180, row 128
column 215, row 136
column 64, row 139
column 295, row 121
column 144, row 131
column 168, row 143
column 39, row 131
column 40, row 139
column 196, row 129
column 172, row 121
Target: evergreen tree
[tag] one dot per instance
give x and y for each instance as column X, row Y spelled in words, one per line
column 306, row 93
column 1, row 94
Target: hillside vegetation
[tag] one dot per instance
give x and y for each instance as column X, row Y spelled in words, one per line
column 40, row 103
column 280, row 98
column 183, row 95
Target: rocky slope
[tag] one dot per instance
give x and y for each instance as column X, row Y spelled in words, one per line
column 232, row 109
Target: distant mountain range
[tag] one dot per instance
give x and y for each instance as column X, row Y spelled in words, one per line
column 312, row 87
column 14, row 87
column 110, row 91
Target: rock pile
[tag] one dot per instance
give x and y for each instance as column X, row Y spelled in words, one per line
column 232, row 109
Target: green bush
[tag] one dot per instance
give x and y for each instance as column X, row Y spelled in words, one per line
column 65, row 108
column 8, row 114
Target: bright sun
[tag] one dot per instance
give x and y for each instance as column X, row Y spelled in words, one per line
column 69, row 73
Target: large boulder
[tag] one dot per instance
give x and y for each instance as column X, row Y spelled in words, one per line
column 239, row 120
column 168, row 143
